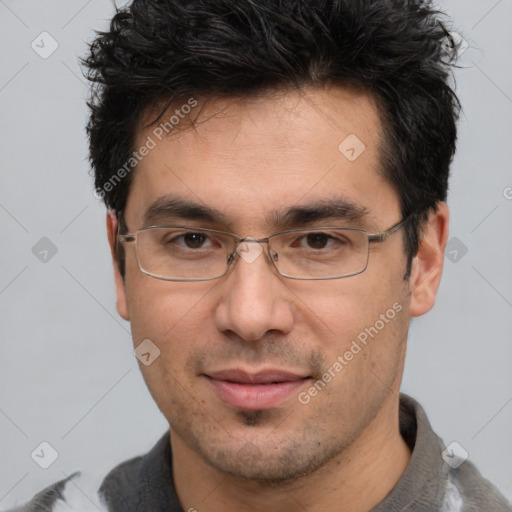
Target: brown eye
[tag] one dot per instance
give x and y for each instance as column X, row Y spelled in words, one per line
column 194, row 240
column 317, row 240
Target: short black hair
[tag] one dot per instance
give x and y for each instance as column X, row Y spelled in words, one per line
column 162, row 52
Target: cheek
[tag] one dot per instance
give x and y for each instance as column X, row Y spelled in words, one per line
column 363, row 355
column 171, row 314
column 361, row 329
column 343, row 308
column 174, row 317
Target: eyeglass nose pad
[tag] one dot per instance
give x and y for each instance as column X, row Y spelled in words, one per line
column 273, row 256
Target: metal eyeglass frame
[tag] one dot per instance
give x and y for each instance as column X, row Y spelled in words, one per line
column 372, row 238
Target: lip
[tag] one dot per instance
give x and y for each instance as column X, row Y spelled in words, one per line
column 255, row 391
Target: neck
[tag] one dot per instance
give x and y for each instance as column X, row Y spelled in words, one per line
column 358, row 478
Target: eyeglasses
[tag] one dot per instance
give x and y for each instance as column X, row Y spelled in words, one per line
column 184, row 253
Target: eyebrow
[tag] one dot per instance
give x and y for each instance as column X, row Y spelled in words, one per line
column 287, row 217
column 335, row 208
column 174, row 207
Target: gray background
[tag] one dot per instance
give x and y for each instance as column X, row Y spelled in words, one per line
column 67, row 372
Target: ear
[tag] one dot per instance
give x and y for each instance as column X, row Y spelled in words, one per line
column 427, row 266
column 121, row 303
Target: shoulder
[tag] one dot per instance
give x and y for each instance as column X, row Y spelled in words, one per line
column 116, row 490
column 46, row 499
column 468, row 491
column 88, row 493
column 438, row 482
column 60, row 497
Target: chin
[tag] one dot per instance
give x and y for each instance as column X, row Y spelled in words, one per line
column 272, row 462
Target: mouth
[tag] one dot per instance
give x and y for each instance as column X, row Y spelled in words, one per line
column 255, row 391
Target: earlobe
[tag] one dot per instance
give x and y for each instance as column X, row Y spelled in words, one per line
column 427, row 266
column 121, row 302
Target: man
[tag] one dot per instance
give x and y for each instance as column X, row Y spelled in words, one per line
column 275, row 174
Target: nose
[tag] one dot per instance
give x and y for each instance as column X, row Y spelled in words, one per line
column 253, row 298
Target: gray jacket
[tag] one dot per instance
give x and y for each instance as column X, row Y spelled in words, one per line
column 437, row 479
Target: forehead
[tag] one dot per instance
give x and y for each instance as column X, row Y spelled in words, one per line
column 247, row 157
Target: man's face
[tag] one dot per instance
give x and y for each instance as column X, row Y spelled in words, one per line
column 250, row 160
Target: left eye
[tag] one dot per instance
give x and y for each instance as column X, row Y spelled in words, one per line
column 316, row 241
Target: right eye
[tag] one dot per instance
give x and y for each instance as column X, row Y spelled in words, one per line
column 189, row 240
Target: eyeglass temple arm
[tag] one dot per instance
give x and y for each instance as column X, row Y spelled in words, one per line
column 380, row 237
column 126, row 238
